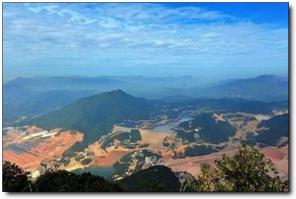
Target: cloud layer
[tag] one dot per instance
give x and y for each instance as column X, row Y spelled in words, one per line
column 56, row 38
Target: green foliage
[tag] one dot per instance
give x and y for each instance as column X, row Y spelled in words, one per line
column 277, row 127
column 204, row 182
column 105, row 172
column 191, row 187
column 246, row 171
column 199, row 150
column 86, row 161
column 168, row 143
column 153, row 179
column 15, row 179
column 135, row 135
column 96, row 115
column 122, row 166
column 66, row 161
column 187, row 181
column 63, row 181
column 127, row 139
column 208, row 129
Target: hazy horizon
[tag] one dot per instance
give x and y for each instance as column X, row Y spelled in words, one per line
column 205, row 80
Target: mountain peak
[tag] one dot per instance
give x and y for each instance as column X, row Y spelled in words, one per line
column 116, row 93
column 96, row 115
column 109, row 96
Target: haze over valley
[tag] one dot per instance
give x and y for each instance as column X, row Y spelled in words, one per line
column 115, row 133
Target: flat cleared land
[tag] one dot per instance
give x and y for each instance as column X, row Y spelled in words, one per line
column 154, row 139
column 29, row 155
column 30, row 147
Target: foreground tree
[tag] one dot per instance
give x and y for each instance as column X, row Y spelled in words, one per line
column 154, row 179
column 247, row 171
column 15, row 179
column 64, row 181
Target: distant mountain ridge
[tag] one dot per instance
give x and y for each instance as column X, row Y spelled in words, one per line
column 19, row 101
column 63, row 82
column 262, row 88
column 31, row 97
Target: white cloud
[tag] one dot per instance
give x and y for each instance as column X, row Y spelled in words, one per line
column 131, row 34
column 37, row 9
column 109, row 23
column 73, row 16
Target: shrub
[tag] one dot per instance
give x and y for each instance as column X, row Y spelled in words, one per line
column 15, row 179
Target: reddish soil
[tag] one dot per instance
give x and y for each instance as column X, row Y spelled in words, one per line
column 47, row 149
column 24, row 160
column 109, row 158
column 192, row 164
column 273, row 153
column 279, row 156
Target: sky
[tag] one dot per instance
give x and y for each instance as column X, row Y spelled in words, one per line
column 212, row 40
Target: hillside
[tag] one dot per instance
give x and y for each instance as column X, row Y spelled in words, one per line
column 263, row 88
column 275, row 131
column 28, row 104
column 141, row 86
column 204, row 128
column 31, row 97
column 157, row 178
column 14, row 93
column 234, row 104
column 95, row 115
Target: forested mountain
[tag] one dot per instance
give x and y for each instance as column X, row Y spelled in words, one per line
column 31, row 97
column 95, row 115
column 274, row 132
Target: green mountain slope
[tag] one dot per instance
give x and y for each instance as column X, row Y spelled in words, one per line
column 208, row 129
column 275, row 131
column 95, row 115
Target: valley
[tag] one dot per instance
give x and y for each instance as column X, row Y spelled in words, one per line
column 179, row 136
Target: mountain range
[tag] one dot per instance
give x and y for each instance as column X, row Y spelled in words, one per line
column 176, row 126
column 95, row 115
column 262, row 88
column 32, row 97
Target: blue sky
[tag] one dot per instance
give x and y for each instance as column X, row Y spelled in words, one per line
column 213, row 40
